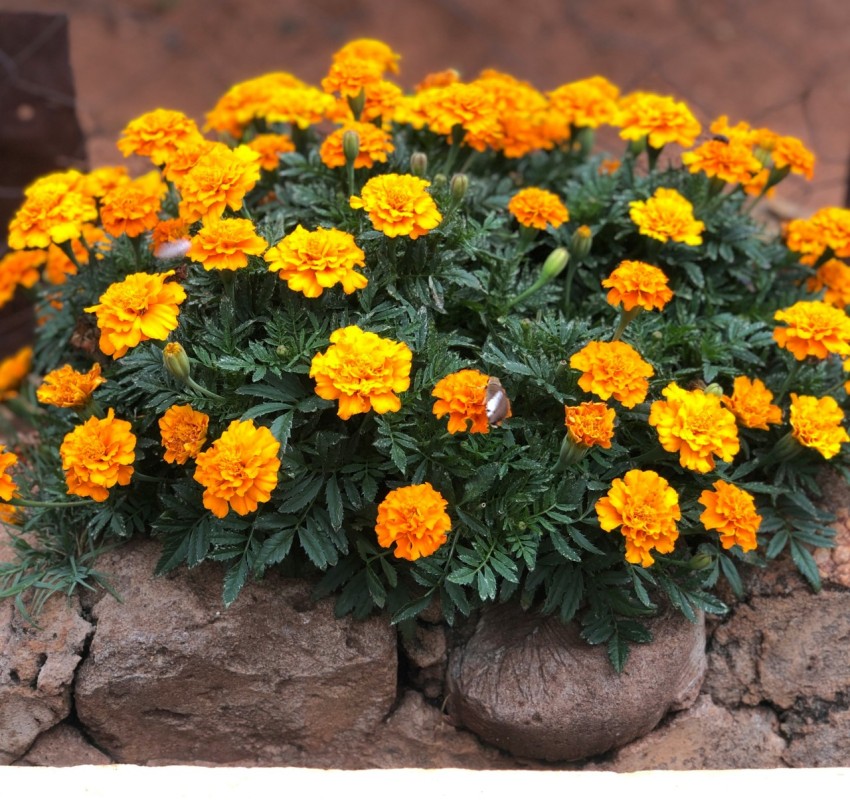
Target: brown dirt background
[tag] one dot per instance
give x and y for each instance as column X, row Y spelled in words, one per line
column 780, row 63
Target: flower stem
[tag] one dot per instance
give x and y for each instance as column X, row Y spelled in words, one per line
column 625, row 318
column 19, row 501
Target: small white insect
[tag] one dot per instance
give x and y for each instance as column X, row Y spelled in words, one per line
column 175, row 249
column 496, row 402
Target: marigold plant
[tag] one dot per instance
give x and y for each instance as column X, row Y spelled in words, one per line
column 281, row 347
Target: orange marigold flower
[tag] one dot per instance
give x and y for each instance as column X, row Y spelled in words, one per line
column 587, row 103
column 816, row 423
column 67, row 388
column 54, row 210
column 645, row 508
column 613, row 369
column 226, row 244
column 732, row 512
column 58, row 266
column 661, row 119
column 789, row 151
column 248, row 100
column 99, row 182
column 10, row 515
column 270, row 146
column 312, row 261
column 302, row 106
column 349, row 76
column 462, row 395
column 219, row 180
column 97, row 455
column 157, row 134
column 141, row 307
column 8, row 487
column 132, row 207
column 834, row 276
column 751, row 404
column 470, row 106
column 414, row 519
column 731, row 161
column 375, row 144
column 13, row 370
column 19, row 268
column 667, row 216
column 814, row 329
column 399, row 205
column 590, row 424
column 537, row 208
column 695, row 425
column 239, row 470
column 184, row 158
column 363, row 371
column 828, row 228
column 369, row 50
column 434, row 80
column 184, row 432
column 635, row 283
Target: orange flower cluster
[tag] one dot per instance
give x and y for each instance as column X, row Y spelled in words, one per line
column 8, row 487
column 312, row 261
column 834, row 276
column 375, row 145
column 730, row 160
column 239, row 470
column 141, row 307
column 751, row 404
column 226, row 243
column 462, row 395
column 590, row 424
column 414, row 519
column 67, row 388
column 667, row 216
column 637, row 284
column 826, row 230
column 362, row 371
column 13, row 370
column 183, row 432
column 398, row 205
column 695, row 425
column 537, row 208
column 732, row 512
column 18, row 268
column 132, row 208
column 613, row 369
column 645, row 508
column 816, row 423
column 814, row 329
column 97, row 455
column 660, row 119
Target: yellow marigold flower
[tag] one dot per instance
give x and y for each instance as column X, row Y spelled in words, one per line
column 248, row 100
column 537, row 208
column 239, row 470
column 375, row 144
column 635, row 283
column 695, row 425
column 54, row 210
column 661, row 119
column 301, row 107
column 590, row 424
column 398, row 205
column 226, row 244
column 732, row 512
column 467, row 105
column 667, row 216
column 8, row 487
column 816, row 423
column 219, row 180
column 350, row 75
column 369, row 50
column 97, row 455
column 751, row 404
column 184, row 432
column 270, row 146
column 414, row 519
column 67, row 388
column 157, row 134
column 99, row 182
column 731, row 161
column 363, row 371
column 587, row 103
column 828, row 228
column 312, row 261
column 613, row 369
column 13, row 370
column 814, row 329
column 132, row 208
column 462, row 395
column 141, row 307
column 19, row 268
column 645, row 508
column 834, row 276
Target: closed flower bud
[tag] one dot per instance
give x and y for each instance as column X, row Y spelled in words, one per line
column 555, row 263
column 459, row 186
column 350, row 146
column 419, row 164
column 700, row 561
column 715, row 389
column 177, row 361
column 581, row 242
